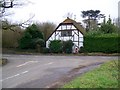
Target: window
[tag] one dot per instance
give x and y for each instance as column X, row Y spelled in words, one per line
column 66, row 33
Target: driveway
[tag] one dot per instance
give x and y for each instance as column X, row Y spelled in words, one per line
column 37, row 71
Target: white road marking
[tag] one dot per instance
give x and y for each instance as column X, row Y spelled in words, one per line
column 24, row 72
column 14, row 76
column 26, row 63
column 22, row 64
column 49, row 63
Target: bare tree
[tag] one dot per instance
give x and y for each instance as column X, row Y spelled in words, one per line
column 47, row 28
column 8, row 26
column 7, row 4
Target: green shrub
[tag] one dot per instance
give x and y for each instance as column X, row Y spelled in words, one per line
column 45, row 50
column 106, row 43
column 39, row 44
column 37, row 41
column 58, row 46
column 34, row 31
column 108, row 27
column 32, row 37
column 81, row 50
column 25, row 41
column 55, row 46
column 93, row 32
column 67, row 46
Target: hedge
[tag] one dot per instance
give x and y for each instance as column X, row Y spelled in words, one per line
column 55, row 46
column 105, row 44
column 58, row 46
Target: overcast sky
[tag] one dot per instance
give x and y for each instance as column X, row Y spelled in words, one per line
column 56, row 10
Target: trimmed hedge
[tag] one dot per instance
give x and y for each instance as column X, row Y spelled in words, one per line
column 103, row 43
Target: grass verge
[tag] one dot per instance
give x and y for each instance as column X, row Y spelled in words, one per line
column 106, row 76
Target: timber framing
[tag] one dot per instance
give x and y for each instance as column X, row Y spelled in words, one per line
column 69, row 21
column 68, row 30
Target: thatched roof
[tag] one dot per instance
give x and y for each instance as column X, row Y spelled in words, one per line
column 69, row 21
column 76, row 24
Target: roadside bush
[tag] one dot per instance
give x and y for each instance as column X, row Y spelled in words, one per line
column 58, row 46
column 67, row 46
column 82, row 50
column 37, row 41
column 55, row 46
column 39, row 44
column 106, row 43
column 45, row 50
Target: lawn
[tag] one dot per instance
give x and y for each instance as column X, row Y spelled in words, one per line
column 106, row 76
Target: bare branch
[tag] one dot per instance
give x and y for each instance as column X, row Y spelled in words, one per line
column 6, row 4
column 24, row 24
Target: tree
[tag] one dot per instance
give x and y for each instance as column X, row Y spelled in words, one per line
column 10, row 34
column 92, row 17
column 7, row 4
column 34, row 31
column 31, row 37
column 25, row 41
column 108, row 27
column 92, row 14
column 46, row 28
column 6, row 25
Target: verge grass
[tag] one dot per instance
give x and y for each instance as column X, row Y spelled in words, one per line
column 106, row 76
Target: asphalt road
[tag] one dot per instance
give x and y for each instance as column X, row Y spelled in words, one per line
column 37, row 71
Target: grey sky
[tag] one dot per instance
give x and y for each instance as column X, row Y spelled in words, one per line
column 56, row 10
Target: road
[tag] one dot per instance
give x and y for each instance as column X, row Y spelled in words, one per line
column 40, row 71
